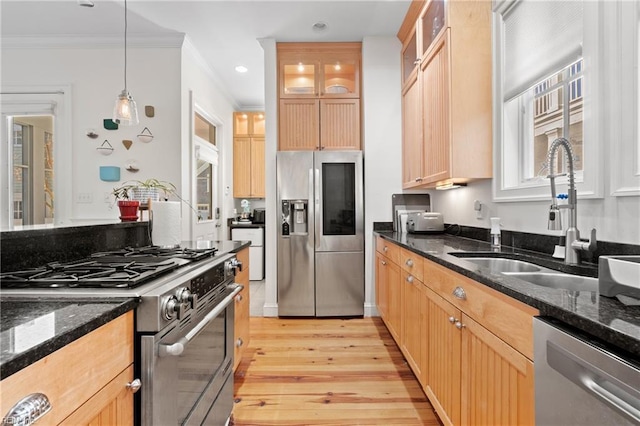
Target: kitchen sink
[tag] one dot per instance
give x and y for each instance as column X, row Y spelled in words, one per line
column 499, row 264
column 527, row 271
column 558, row 280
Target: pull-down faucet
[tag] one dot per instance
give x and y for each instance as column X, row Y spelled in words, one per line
column 573, row 244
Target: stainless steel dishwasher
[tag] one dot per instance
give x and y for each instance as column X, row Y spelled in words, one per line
column 577, row 382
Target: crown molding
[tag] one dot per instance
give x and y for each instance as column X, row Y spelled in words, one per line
column 78, row 41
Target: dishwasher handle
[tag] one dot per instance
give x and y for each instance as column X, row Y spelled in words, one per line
column 594, row 380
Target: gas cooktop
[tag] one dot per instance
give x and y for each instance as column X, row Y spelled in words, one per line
column 124, row 268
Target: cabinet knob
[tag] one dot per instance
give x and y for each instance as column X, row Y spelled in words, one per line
column 239, row 342
column 417, row 61
column 385, row 249
column 239, row 298
column 453, row 320
column 384, row 263
column 409, row 262
column 459, row 293
column 460, row 325
column 134, row 385
column 410, row 279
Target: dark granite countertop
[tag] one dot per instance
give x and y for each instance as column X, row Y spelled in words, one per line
column 607, row 319
column 34, row 328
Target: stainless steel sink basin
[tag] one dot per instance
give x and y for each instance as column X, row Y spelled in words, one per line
column 499, row 264
column 558, row 280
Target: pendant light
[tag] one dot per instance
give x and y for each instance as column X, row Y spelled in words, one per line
column 125, row 111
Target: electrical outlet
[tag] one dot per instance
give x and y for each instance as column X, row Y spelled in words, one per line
column 85, row 197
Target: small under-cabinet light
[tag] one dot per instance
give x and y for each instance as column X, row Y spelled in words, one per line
column 337, row 67
column 241, row 69
column 300, row 67
column 450, row 185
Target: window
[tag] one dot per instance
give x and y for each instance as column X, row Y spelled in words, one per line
column 205, row 133
column 22, row 143
column 546, row 90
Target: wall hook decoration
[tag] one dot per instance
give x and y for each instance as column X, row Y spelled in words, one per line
column 105, row 148
column 145, row 135
column 92, row 133
column 127, row 143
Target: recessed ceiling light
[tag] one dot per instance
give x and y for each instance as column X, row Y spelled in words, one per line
column 320, row 26
column 241, row 69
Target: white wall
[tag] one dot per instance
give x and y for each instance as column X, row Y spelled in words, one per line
column 382, row 142
column 95, row 76
column 200, row 86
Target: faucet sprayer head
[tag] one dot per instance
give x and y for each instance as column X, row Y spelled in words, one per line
column 555, row 220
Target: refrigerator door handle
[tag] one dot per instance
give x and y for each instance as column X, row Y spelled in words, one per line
column 318, row 216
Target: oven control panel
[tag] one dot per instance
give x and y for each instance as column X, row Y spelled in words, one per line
column 208, row 281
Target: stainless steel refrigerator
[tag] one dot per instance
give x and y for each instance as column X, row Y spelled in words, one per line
column 320, row 233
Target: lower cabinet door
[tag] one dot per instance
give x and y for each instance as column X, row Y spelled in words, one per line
column 443, row 360
column 112, row 405
column 497, row 381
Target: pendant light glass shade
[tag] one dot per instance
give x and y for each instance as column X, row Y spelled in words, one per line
column 125, row 111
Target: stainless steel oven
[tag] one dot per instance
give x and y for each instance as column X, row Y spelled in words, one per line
column 186, row 371
column 186, row 367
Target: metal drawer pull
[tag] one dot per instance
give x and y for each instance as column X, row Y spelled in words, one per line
column 28, row 410
column 134, row 386
column 409, row 262
column 460, row 325
column 410, row 279
column 459, row 293
column 239, row 342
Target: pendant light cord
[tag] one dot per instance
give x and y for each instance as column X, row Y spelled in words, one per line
column 125, row 45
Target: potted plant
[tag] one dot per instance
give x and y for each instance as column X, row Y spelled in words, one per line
column 131, row 194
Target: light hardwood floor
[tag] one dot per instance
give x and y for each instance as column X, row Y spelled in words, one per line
column 326, row 372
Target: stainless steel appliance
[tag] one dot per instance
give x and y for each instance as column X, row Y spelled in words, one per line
column 320, row 233
column 184, row 323
column 425, row 222
column 579, row 382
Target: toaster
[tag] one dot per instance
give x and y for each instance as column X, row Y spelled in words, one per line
column 424, row 222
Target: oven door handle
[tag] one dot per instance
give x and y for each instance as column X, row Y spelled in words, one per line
column 177, row 348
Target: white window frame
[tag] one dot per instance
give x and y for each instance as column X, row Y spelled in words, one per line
column 508, row 156
column 624, row 68
column 206, row 151
column 40, row 100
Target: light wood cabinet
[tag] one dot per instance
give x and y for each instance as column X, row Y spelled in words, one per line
column 319, row 90
column 443, row 358
column 86, row 382
column 389, row 276
column 479, row 354
column 248, row 155
column 452, row 101
column 471, row 347
column 241, row 331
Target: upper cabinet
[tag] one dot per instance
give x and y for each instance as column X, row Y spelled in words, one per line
column 248, row 155
column 319, row 89
column 446, row 93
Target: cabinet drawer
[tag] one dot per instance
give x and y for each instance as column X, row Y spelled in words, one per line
column 411, row 262
column 507, row 318
column 72, row 375
column 388, row 249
